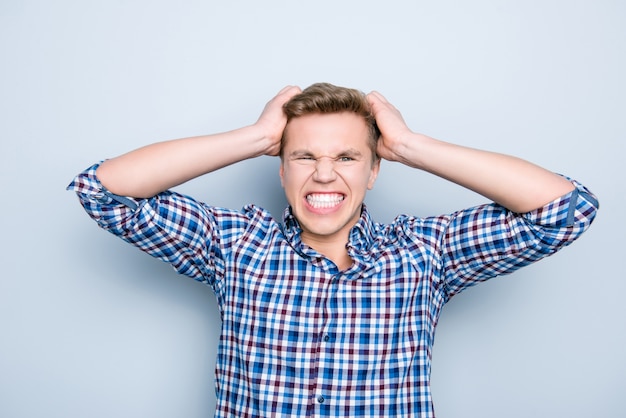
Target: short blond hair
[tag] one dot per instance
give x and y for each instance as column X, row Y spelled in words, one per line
column 327, row 98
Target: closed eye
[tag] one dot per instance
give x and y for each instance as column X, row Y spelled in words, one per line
column 301, row 156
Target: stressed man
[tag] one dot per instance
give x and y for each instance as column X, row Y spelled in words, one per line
column 327, row 312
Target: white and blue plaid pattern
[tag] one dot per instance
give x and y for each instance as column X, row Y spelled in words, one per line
column 301, row 338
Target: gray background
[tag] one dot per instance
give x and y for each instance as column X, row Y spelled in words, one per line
column 91, row 327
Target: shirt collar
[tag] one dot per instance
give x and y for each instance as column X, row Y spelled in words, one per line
column 362, row 233
column 291, row 225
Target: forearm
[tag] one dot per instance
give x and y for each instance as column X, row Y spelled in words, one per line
column 152, row 169
column 149, row 170
column 510, row 181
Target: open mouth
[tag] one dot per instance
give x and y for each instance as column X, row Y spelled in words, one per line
column 324, row 200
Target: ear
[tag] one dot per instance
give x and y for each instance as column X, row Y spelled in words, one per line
column 373, row 174
column 281, row 173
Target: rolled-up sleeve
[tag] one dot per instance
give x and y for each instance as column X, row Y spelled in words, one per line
column 489, row 240
column 169, row 226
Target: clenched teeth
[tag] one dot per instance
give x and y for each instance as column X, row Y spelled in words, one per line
column 324, row 200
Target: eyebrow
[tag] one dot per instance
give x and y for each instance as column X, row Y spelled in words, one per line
column 350, row 152
column 300, row 153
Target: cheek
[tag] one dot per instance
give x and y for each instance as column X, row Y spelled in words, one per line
column 291, row 180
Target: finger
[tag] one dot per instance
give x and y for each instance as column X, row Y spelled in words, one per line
column 293, row 90
column 284, row 95
column 379, row 97
column 373, row 101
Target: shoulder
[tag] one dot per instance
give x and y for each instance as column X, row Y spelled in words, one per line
column 250, row 218
column 426, row 230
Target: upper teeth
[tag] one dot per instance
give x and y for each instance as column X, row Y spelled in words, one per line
column 325, row 200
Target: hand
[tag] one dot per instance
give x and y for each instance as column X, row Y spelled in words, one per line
column 273, row 120
column 512, row 182
column 393, row 129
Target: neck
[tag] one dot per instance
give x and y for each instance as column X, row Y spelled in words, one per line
column 334, row 250
column 341, row 258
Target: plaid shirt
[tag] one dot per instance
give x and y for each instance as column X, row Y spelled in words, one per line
column 302, row 338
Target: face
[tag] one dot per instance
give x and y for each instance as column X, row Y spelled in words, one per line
column 326, row 171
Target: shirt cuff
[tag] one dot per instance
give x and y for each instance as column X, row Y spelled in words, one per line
column 574, row 208
column 89, row 189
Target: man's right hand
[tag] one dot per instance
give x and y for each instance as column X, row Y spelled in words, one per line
column 273, row 120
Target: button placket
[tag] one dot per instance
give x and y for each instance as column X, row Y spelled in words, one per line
column 324, row 337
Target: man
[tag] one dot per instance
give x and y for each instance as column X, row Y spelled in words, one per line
column 329, row 313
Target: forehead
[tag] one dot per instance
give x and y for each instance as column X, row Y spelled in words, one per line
column 327, row 132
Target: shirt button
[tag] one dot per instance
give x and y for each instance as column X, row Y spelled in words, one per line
column 320, row 399
column 326, row 338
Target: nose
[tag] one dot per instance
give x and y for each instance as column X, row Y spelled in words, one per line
column 324, row 170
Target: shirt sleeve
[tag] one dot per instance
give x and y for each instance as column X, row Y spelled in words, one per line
column 169, row 226
column 489, row 240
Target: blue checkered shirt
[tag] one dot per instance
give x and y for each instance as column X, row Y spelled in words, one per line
column 302, row 338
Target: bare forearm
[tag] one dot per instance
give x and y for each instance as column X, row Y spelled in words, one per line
column 149, row 170
column 154, row 168
column 510, row 181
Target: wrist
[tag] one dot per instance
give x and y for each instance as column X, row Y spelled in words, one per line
column 412, row 148
column 267, row 137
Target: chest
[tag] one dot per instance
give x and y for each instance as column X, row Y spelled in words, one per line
column 278, row 292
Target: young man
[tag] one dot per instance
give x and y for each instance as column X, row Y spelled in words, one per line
column 329, row 313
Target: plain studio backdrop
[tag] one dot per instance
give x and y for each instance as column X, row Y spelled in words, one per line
column 91, row 327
